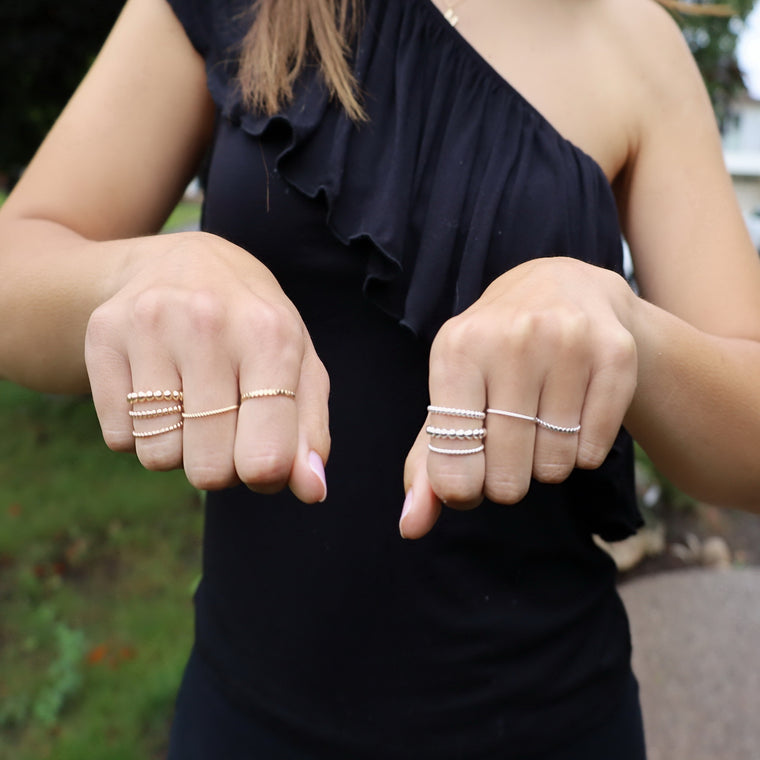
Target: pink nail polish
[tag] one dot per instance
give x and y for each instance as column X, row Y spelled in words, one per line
column 318, row 468
column 408, row 501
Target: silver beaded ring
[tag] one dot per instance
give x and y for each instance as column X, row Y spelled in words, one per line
column 453, row 412
column 557, row 428
column 454, row 433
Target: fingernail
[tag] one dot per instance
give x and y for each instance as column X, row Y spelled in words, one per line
column 318, row 468
column 407, row 506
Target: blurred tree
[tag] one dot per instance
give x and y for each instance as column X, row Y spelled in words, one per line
column 711, row 31
column 45, row 49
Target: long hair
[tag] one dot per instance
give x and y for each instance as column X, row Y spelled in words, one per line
column 285, row 35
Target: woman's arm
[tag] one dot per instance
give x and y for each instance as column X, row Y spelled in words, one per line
column 111, row 168
column 697, row 326
column 680, row 365
column 91, row 297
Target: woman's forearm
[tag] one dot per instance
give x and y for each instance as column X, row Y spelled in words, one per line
column 52, row 280
column 696, row 410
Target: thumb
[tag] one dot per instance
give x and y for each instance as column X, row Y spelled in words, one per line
column 307, row 478
column 421, row 506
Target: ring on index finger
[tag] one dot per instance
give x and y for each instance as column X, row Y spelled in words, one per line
column 461, row 434
column 141, row 397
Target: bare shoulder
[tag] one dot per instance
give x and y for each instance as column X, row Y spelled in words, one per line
column 653, row 58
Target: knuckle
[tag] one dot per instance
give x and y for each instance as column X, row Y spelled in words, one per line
column 100, row 327
column 591, row 454
column 119, row 439
column 620, row 350
column 506, row 488
column 149, row 309
column 552, row 472
column 206, row 313
column 456, row 488
column 268, row 469
column 209, row 477
column 455, row 339
column 275, row 329
column 159, row 457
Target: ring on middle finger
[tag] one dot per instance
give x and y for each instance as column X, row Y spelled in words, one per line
column 210, row 412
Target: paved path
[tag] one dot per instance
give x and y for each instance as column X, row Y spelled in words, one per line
column 696, row 638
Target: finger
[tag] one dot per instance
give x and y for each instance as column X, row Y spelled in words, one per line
column 421, row 506
column 157, row 413
column 211, row 401
column 609, row 395
column 559, row 413
column 110, row 382
column 267, row 431
column 455, row 384
column 307, row 477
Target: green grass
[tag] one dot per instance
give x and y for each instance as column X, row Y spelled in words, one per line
column 186, row 214
column 98, row 559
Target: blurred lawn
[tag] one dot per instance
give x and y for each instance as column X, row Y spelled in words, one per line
column 98, row 562
column 98, row 559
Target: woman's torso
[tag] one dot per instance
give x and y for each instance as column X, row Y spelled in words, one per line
column 320, row 618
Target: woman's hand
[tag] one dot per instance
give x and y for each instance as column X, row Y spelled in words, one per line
column 206, row 318
column 547, row 340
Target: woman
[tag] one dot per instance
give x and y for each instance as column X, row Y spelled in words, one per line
column 438, row 212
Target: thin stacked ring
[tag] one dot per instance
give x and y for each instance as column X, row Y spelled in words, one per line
column 210, row 412
column 537, row 421
column 139, row 397
column 461, row 434
column 265, row 392
column 142, row 397
column 479, row 434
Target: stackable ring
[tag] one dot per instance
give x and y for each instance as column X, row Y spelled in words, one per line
column 160, row 431
column 453, row 412
column 477, row 434
column 514, row 415
column 265, row 392
column 210, row 412
column 456, row 452
column 137, row 397
column 537, row 421
column 148, row 413
column 557, row 428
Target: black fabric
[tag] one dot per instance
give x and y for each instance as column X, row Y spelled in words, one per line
column 500, row 633
column 205, row 719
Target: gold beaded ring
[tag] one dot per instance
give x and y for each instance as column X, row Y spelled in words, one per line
column 210, row 412
column 265, row 392
column 160, row 431
column 149, row 413
column 138, row 397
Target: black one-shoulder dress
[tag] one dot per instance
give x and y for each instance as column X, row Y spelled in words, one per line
column 320, row 633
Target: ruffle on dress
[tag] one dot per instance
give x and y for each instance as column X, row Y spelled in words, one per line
column 454, row 179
